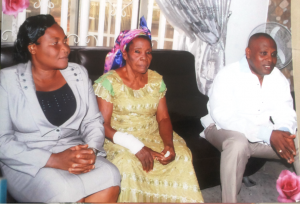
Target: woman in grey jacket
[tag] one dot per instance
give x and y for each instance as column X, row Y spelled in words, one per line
column 51, row 132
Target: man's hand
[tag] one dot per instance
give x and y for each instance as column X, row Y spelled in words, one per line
column 170, row 158
column 283, row 143
column 147, row 156
column 78, row 159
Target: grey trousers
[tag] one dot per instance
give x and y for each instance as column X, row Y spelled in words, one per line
column 235, row 151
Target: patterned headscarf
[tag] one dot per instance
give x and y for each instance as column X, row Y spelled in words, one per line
column 114, row 59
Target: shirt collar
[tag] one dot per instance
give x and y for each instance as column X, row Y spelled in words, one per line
column 244, row 66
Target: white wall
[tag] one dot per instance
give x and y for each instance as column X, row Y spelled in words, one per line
column 246, row 15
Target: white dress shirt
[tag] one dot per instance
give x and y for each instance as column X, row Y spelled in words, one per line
column 238, row 102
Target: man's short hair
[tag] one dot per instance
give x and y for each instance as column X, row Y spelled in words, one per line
column 258, row 35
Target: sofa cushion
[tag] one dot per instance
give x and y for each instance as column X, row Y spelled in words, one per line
column 6, row 55
column 96, row 65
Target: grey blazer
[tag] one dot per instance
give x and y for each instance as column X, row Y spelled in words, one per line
column 27, row 138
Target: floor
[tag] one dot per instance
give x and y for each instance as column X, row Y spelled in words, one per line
column 263, row 192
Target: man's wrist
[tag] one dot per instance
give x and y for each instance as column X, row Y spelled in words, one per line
column 284, row 129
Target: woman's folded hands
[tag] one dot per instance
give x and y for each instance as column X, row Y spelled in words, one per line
column 167, row 158
column 77, row 160
column 147, row 157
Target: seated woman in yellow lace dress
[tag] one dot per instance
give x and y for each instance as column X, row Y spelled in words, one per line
column 154, row 162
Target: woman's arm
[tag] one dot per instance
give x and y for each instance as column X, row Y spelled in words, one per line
column 14, row 153
column 81, row 159
column 91, row 127
column 165, row 130
column 106, row 108
column 145, row 155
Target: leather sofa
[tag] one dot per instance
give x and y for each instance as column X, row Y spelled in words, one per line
column 186, row 105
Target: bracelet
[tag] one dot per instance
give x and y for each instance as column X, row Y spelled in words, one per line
column 128, row 141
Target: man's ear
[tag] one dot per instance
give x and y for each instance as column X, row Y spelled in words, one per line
column 32, row 48
column 248, row 52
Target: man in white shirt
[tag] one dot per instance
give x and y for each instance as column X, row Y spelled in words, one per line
column 250, row 114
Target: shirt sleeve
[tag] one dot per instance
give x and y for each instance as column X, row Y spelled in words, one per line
column 264, row 133
column 104, row 89
column 285, row 116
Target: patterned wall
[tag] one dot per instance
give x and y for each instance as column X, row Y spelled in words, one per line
column 280, row 12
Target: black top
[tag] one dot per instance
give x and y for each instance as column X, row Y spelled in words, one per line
column 59, row 105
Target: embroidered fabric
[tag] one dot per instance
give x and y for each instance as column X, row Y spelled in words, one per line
column 58, row 105
column 134, row 112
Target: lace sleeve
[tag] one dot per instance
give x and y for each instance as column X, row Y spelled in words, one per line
column 104, row 89
column 162, row 90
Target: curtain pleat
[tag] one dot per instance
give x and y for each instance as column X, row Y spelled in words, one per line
column 205, row 23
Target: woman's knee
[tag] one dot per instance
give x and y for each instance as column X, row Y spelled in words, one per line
column 183, row 152
column 114, row 172
column 109, row 195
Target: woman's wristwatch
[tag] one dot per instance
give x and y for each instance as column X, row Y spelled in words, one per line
column 94, row 150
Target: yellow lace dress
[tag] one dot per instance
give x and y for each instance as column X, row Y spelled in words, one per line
column 134, row 112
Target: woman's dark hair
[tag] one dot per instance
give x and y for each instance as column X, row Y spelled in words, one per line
column 140, row 36
column 29, row 32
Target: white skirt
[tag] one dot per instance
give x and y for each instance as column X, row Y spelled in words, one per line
column 55, row 185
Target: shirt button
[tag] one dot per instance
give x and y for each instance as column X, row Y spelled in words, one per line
column 77, row 79
column 25, row 87
column 72, row 69
column 57, row 130
column 22, row 74
column 75, row 74
column 24, row 80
